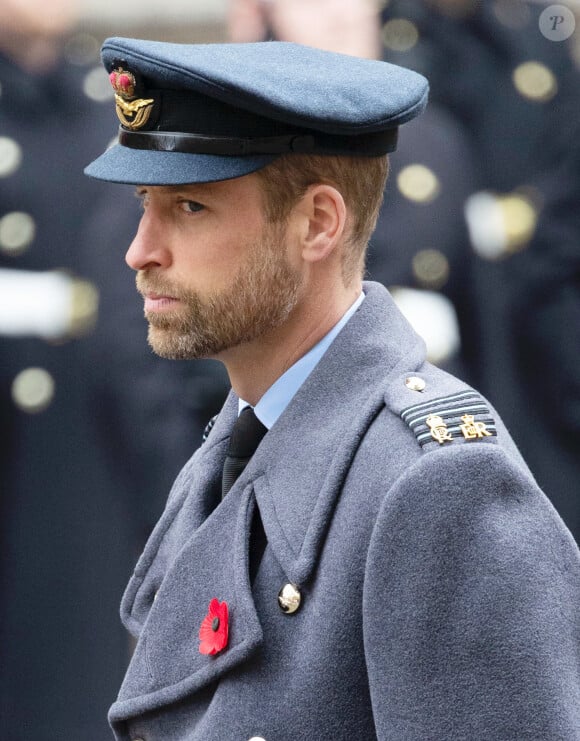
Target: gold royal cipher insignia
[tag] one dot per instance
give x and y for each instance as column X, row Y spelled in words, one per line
column 439, row 429
column 472, row 430
column 133, row 112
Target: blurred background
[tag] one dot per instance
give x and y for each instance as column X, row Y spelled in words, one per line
column 478, row 239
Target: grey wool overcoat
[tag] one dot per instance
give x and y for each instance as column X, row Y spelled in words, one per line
column 440, row 590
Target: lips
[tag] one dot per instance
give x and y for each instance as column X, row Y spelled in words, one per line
column 158, row 302
column 158, row 297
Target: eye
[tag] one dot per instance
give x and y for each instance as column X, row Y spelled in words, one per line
column 191, row 207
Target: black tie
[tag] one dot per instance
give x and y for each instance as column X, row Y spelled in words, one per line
column 246, row 436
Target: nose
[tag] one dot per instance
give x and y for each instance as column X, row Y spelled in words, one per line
column 146, row 249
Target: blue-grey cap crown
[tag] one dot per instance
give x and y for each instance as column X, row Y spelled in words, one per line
column 300, row 86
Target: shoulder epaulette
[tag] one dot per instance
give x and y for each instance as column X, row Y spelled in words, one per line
column 462, row 417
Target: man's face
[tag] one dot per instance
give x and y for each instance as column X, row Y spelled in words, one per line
column 213, row 273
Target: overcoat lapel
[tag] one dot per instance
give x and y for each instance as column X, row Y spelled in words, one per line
column 306, row 456
column 167, row 661
column 295, row 477
column 186, row 510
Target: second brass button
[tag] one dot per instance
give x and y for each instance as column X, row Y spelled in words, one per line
column 289, row 598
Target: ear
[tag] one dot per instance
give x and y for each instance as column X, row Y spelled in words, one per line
column 324, row 207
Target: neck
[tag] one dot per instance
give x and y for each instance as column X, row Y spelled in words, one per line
column 255, row 366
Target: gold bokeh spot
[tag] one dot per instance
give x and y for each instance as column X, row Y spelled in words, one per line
column 10, row 156
column 418, row 183
column 520, row 218
column 399, row 34
column 17, row 232
column 84, row 307
column 535, row 81
column 431, row 269
column 33, row 390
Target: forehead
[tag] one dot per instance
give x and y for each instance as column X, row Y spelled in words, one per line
column 246, row 188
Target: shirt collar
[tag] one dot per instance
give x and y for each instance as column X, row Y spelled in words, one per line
column 280, row 394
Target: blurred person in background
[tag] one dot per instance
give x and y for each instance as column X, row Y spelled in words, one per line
column 514, row 85
column 87, row 451
column 477, row 185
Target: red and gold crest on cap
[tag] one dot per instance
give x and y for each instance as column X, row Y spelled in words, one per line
column 133, row 112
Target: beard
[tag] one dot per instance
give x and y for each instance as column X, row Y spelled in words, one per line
column 260, row 298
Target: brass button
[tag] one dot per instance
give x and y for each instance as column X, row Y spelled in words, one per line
column 414, row 383
column 289, row 598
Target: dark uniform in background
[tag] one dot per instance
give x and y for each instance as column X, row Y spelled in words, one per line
column 516, row 95
column 420, row 246
column 88, row 450
column 61, row 509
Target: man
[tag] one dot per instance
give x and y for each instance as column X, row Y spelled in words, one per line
column 363, row 554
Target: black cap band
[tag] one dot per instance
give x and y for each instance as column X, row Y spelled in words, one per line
column 369, row 145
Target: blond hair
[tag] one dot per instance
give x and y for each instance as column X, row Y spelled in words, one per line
column 360, row 180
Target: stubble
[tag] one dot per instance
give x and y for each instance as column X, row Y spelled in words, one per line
column 260, row 298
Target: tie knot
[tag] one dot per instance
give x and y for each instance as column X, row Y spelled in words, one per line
column 247, row 434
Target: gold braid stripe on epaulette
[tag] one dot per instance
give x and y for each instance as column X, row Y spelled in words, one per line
column 460, row 417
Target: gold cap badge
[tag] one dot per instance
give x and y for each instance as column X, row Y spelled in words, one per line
column 133, row 112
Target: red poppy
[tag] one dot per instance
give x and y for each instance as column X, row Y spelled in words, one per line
column 213, row 632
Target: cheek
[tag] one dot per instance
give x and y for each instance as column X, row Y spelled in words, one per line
column 210, row 255
column 291, row 251
column 208, row 266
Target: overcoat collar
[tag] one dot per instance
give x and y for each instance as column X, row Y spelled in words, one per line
column 306, row 456
column 300, row 465
column 295, row 477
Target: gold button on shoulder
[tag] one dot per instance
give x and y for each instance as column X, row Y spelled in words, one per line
column 414, row 383
column 289, row 598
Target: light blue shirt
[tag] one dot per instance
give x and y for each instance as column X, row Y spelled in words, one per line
column 280, row 394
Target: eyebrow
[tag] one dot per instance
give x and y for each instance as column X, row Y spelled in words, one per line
column 190, row 188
